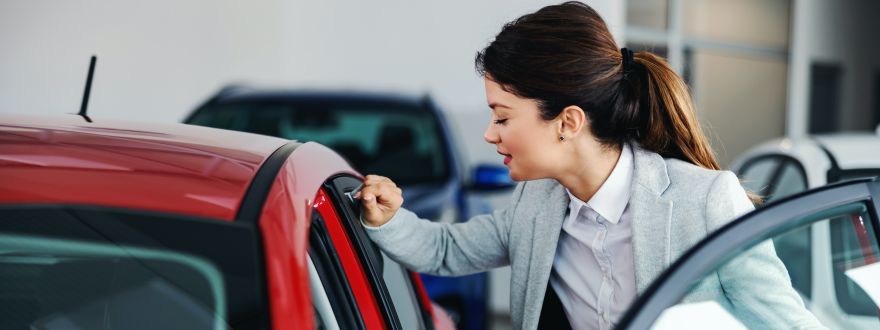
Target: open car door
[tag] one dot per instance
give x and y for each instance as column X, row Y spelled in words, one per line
column 848, row 272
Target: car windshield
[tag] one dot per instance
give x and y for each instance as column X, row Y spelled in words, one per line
column 400, row 142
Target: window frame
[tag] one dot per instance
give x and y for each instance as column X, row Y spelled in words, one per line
column 324, row 257
column 369, row 254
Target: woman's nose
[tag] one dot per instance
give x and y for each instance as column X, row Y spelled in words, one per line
column 490, row 135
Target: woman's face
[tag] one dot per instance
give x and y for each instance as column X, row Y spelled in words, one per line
column 529, row 144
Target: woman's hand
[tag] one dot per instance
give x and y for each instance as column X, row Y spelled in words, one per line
column 380, row 199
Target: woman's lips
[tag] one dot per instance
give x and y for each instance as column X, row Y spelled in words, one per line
column 506, row 157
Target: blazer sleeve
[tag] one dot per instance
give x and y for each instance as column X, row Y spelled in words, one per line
column 755, row 282
column 476, row 245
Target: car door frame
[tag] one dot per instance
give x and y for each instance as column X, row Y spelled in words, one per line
column 774, row 218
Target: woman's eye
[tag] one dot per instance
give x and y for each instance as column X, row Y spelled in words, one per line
column 500, row 121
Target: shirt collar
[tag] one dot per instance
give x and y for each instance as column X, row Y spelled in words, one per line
column 612, row 197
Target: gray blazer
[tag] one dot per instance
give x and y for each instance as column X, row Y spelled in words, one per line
column 674, row 204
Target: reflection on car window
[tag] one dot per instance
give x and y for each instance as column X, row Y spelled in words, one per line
column 58, row 283
column 852, row 246
column 757, row 291
column 400, row 142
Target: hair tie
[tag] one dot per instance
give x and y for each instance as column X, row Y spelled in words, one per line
column 627, row 60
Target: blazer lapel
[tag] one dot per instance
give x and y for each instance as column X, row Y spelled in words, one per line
column 547, row 227
column 651, row 217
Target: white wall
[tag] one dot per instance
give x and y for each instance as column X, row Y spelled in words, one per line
column 158, row 59
column 841, row 32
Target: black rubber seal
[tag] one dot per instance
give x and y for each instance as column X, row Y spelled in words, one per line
column 255, row 197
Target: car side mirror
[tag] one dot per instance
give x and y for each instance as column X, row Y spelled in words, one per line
column 491, row 178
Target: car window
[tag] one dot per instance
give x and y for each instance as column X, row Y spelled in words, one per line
column 756, row 287
column 403, row 294
column 791, row 180
column 91, row 268
column 853, row 248
column 404, row 143
column 325, row 318
column 756, row 174
column 793, row 246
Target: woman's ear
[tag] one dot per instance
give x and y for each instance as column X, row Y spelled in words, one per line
column 572, row 120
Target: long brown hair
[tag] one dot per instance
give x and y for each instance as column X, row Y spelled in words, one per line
column 564, row 55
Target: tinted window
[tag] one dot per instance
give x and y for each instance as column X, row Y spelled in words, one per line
column 110, row 269
column 852, row 246
column 756, row 175
column 791, row 180
column 403, row 143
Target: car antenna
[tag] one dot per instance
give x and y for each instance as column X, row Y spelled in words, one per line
column 85, row 101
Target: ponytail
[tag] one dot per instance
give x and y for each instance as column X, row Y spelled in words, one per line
column 671, row 128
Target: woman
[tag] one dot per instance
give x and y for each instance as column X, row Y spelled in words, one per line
column 616, row 181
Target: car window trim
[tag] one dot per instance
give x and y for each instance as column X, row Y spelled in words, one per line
column 367, row 251
column 255, row 196
column 777, row 216
column 332, row 273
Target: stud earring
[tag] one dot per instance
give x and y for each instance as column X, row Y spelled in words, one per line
column 561, row 138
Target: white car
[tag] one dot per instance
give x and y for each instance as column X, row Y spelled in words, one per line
column 814, row 255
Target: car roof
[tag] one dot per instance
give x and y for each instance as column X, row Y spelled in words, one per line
column 244, row 94
column 149, row 166
column 853, row 150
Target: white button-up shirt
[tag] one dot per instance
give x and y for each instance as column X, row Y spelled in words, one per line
column 593, row 271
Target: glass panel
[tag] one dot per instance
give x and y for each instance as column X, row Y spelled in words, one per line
column 325, row 318
column 756, row 175
column 791, row 181
column 647, row 13
column 854, row 254
column 752, row 288
column 51, row 283
column 762, row 23
column 403, row 143
column 402, row 294
column 92, row 268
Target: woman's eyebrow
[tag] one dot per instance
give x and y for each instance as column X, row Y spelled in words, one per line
column 494, row 105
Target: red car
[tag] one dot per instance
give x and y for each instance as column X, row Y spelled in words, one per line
column 119, row 225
